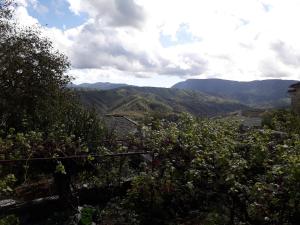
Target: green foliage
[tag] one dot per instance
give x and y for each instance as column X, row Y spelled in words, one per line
column 204, row 171
column 34, row 85
column 86, row 216
column 25, row 146
column 39, row 115
column 6, row 183
column 84, row 124
column 116, row 212
column 60, row 168
column 285, row 121
column 32, row 80
column 18, row 145
column 207, row 172
column 9, row 220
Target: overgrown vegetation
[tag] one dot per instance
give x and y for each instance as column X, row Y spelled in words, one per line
column 207, row 172
column 201, row 171
column 39, row 115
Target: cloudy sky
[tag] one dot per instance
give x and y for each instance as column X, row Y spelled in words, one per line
column 161, row 42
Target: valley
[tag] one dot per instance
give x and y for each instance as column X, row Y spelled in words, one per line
column 202, row 97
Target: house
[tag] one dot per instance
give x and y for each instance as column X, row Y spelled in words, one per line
column 294, row 91
column 120, row 125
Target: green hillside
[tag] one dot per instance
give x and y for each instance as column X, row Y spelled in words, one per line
column 263, row 93
column 141, row 100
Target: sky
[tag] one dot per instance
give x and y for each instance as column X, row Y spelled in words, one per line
column 162, row 42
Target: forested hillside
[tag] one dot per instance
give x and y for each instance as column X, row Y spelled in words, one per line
column 142, row 100
column 264, row 93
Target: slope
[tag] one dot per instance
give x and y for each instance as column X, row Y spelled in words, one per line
column 264, row 93
column 142, row 100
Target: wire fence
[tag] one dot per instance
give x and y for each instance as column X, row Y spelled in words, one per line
column 9, row 161
column 109, row 171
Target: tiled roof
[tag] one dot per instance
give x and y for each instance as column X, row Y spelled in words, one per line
column 121, row 125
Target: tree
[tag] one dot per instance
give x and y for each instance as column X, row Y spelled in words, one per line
column 34, row 85
column 33, row 79
column 5, row 14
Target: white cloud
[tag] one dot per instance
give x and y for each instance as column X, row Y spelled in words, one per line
column 22, row 15
column 233, row 39
column 112, row 12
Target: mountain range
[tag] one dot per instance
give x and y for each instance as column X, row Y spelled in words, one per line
column 260, row 93
column 98, row 86
column 201, row 97
column 138, row 101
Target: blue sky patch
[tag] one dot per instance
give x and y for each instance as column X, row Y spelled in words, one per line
column 183, row 36
column 56, row 13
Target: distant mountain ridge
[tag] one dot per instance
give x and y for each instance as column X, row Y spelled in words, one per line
column 260, row 93
column 98, row 86
column 132, row 100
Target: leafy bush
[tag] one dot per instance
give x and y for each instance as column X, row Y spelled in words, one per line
column 86, row 216
column 9, row 220
column 206, row 170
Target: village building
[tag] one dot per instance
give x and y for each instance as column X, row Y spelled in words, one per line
column 121, row 126
column 294, row 91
